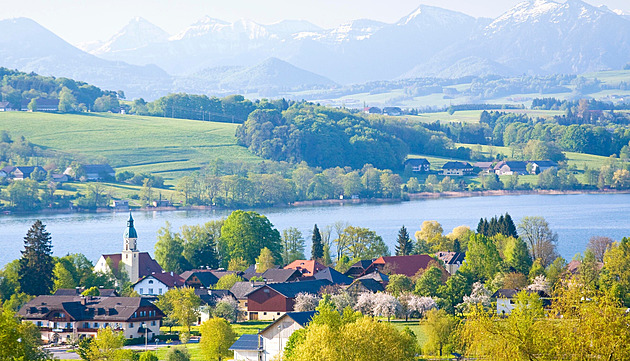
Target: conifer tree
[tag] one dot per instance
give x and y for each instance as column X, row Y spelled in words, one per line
column 317, row 252
column 509, row 227
column 37, row 264
column 404, row 246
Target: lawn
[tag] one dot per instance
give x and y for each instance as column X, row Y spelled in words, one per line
column 416, row 327
column 165, row 146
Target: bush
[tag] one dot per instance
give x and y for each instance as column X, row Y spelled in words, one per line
column 177, row 354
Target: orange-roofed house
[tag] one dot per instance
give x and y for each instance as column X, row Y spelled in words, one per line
column 403, row 265
column 307, row 268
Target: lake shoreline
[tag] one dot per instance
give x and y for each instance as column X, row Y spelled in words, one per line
column 326, row 202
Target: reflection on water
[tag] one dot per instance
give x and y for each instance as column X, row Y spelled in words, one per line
column 575, row 218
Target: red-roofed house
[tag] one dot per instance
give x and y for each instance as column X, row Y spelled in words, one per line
column 404, row 265
column 307, row 268
column 158, row 283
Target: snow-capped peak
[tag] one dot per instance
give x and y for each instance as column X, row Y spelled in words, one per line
column 137, row 33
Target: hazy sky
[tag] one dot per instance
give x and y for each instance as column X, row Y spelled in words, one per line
column 86, row 20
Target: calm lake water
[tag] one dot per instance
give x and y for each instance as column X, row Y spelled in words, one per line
column 575, row 218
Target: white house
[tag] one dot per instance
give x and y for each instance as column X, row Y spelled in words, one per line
column 276, row 335
column 247, row 348
column 506, row 299
column 157, row 284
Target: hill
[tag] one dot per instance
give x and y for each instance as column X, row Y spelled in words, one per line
column 163, row 146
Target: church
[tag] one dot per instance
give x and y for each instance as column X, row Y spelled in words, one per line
column 136, row 264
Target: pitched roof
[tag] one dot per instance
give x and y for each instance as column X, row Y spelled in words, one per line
column 369, row 284
column 417, row 161
column 456, row 165
column 306, row 267
column 544, row 163
column 211, row 297
column 247, row 343
column 510, row 293
column 98, row 168
column 104, row 292
column 301, row 318
column 240, row 290
column 205, row 277
column 516, row 164
column 81, row 308
column 483, row 165
column 278, row 275
column 334, row 276
column 291, row 289
column 376, row 276
column 451, row 257
column 170, row 279
column 147, row 265
column 27, row 169
column 405, row 265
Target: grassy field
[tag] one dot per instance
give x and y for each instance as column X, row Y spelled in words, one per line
column 163, row 146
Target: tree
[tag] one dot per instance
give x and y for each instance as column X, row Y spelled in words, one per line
column 404, row 246
column 399, row 284
column 616, row 271
column 360, row 243
column 168, row 250
column 540, row 239
column 412, row 304
column 599, row 245
column 32, row 105
column 180, row 305
column 178, row 354
column 19, row 340
column 439, row 327
column 517, row 256
column 305, row 302
column 478, row 296
column 36, row 265
column 227, row 308
column 264, row 261
column 238, row 264
column 429, row 283
column 245, row 234
column 292, row 245
column 148, row 356
column 317, row 250
column 67, row 101
column 226, row 282
column 385, row 305
column 216, row 338
column 107, row 346
column 199, row 246
column 482, row 258
column 23, row 195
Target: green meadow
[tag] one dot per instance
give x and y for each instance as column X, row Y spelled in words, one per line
column 165, row 146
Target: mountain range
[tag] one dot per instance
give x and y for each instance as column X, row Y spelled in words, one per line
column 211, row 55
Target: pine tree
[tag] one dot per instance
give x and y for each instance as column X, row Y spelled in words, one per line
column 510, row 228
column 404, row 246
column 37, row 264
column 317, row 252
column 482, row 227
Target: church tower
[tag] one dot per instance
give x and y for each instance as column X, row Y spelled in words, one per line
column 130, row 256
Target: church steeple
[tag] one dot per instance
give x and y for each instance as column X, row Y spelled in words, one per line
column 130, row 236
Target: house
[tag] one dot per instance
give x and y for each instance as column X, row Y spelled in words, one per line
column 307, row 268
column 200, row 278
column 418, row 165
column 248, row 348
column 272, row 300
column 59, row 178
column 364, row 285
column 6, row 107
column 512, row 167
column 452, row 260
column 372, row 110
column 120, row 204
column 279, row 275
column 506, row 299
column 209, row 299
column 404, row 265
column 161, row 203
column 393, row 111
column 457, row 169
column 43, row 105
column 61, row 318
column 358, row 268
column 8, row 171
column 96, row 172
column 335, row 277
column 376, row 276
column 157, row 284
column 276, row 335
column 24, row 172
column 135, row 263
column 103, row 292
column 539, row 166
column 484, row 166
column 240, row 290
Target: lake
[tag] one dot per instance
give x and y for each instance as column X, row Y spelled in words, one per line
column 576, row 218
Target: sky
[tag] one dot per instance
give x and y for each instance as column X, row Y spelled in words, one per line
column 78, row 21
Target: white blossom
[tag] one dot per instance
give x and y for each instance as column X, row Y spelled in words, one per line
column 479, row 296
column 305, row 302
column 412, row 303
column 540, row 284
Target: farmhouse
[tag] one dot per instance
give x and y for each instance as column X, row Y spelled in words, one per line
column 135, row 263
column 43, row 105
column 457, row 169
column 452, row 260
column 61, row 318
column 418, row 165
column 511, row 167
column 506, row 299
column 24, row 172
column 272, row 300
column 539, row 166
column 157, row 284
column 358, row 268
column 275, row 336
column 307, row 268
column 5, row 107
column 335, row 277
column 404, row 265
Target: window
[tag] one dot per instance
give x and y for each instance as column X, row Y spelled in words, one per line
column 134, row 315
column 150, row 282
column 95, row 324
column 150, row 291
column 141, row 291
column 86, row 325
column 153, row 323
column 278, row 313
column 39, row 323
column 68, row 325
column 264, row 313
column 131, row 325
column 160, row 290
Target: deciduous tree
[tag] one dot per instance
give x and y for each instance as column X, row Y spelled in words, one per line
column 245, row 234
column 540, row 239
column 216, row 338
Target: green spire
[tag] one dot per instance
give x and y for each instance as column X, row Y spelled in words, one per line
column 130, row 232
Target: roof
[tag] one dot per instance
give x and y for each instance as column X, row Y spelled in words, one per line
column 516, row 164
column 206, row 277
column 104, row 292
column 279, row 275
column 211, row 297
column 574, row 266
column 334, row 276
column 510, row 293
column 247, row 343
column 26, row 170
column 417, row 161
column 301, row 318
column 98, row 168
column 240, row 290
column 405, row 265
column 376, row 276
column 130, row 231
column 291, row 289
column 169, row 279
column 451, row 257
column 483, row 165
column 8, row 169
column 456, row 165
column 80, row 308
column 147, row 264
column 5, row 105
column 544, row 163
column 306, row 267
column 369, row 284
